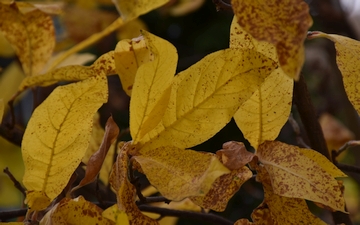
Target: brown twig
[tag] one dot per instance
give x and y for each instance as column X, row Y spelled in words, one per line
column 348, row 168
column 16, row 182
column 221, row 5
column 13, row 135
column 346, row 146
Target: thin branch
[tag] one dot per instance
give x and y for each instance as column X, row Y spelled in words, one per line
column 16, row 182
column 10, row 214
column 221, row 5
column 346, row 146
column 296, row 129
column 153, row 199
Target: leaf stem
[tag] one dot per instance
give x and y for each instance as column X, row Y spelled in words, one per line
column 88, row 42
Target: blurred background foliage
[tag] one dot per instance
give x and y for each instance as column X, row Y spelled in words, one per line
column 196, row 29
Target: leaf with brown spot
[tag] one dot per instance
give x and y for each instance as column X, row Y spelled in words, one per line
column 234, row 155
column 75, row 211
column 223, row 189
column 31, row 33
column 276, row 209
column 58, row 133
column 125, row 191
column 284, row 23
column 179, row 173
column 95, row 162
column 103, row 65
column 347, row 60
column 132, row 9
column 244, row 222
column 294, row 175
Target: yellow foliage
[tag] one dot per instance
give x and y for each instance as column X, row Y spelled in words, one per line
column 30, row 32
column 6, row 50
column 131, row 29
column 151, row 90
column 130, row 10
column 75, row 211
column 284, row 23
column 10, row 80
column 58, row 133
column 262, row 116
column 347, row 59
column 114, row 214
column 179, row 173
column 205, row 97
column 295, row 175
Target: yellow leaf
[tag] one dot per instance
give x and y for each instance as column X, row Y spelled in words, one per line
column 75, row 211
column 95, row 142
column 97, row 159
column 284, row 23
column 294, row 175
column 323, row 162
column 129, row 56
column 152, row 88
column 103, row 65
column 184, row 7
column 125, row 191
column 2, row 109
column 223, row 189
column 179, row 173
column 205, row 97
column 74, row 59
column 131, row 29
column 11, row 223
column 114, row 214
column 131, row 9
column 58, row 133
column 276, row 209
column 30, row 32
column 262, row 116
column 347, row 59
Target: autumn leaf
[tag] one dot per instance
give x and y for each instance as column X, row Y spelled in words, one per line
column 75, row 211
column 31, row 33
column 152, row 88
column 234, row 155
column 276, row 209
column 347, row 60
column 262, row 116
column 103, row 65
column 95, row 142
column 205, row 97
column 125, row 191
column 96, row 161
column 130, row 10
column 58, row 133
column 129, row 56
column 283, row 23
column 294, row 175
column 179, row 173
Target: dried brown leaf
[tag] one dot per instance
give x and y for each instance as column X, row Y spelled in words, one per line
column 234, row 155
